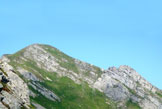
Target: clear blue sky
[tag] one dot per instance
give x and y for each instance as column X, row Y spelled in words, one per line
column 102, row 32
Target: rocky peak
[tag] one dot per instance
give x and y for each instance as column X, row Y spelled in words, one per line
column 130, row 77
column 125, row 83
column 40, row 67
column 52, row 60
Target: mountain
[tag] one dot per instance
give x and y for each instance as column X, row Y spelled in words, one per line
column 42, row 77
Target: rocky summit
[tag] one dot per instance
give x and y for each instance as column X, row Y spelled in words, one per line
column 42, row 77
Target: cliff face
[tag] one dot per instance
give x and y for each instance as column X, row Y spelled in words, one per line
column 43, row 77
column 15, row 93
column 124, row 83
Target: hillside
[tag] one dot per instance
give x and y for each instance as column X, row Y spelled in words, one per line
column 46, row 78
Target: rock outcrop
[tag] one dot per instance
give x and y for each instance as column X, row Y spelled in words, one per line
column 14, row 94
column 125, row 83
column 30, row 72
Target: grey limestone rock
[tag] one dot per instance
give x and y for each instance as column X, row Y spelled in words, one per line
column 47, row 93
column 119, row 84
column 18, row 91
column 125, row 83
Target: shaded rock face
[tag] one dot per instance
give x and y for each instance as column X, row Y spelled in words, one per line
column 119, row 84
column 117, row 92
column 125, row 83
column 47, row 93
column 111, row 87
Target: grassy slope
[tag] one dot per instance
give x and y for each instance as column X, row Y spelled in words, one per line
column 73, row 96
column 70, row 64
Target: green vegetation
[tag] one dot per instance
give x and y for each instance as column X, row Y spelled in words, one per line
column 159, row 94
column 3, row 71
column 17, row 55
column 133, row 91
column 138, row 84
column 65, row 60
column 130, row 90
column 131, row 105
column 31, row 106
column 72, row 95
column 99, row 72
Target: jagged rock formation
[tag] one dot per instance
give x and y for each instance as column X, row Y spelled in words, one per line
column 44, row 77
column 14, row 95
column 125, row 83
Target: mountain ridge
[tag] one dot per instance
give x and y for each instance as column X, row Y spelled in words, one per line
column 119, row 87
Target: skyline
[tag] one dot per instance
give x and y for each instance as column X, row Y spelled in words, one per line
column 103, row 33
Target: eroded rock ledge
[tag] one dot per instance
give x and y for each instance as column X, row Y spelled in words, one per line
column 14, row 94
